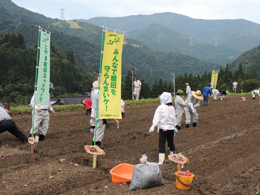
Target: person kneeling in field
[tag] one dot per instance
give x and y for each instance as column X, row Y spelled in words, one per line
column 179, row 105
column 216, row 93
column 193, row 101
column 255, row 92
column 165, row 119
column 223, row 94
column 7, row 124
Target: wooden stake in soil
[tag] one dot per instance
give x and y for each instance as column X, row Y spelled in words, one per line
column 95, row 150
column 31, row 141
column 94, row 161
column 179, row 159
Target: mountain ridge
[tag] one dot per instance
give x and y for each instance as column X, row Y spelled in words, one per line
column 226, row 32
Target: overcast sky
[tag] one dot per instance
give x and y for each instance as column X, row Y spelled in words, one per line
column 199, row 9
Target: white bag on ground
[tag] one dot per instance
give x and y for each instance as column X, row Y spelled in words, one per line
column 146, row 175
column 143, row 159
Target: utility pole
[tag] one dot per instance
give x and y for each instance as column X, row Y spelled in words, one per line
column 173, row 79
column 132, row 85
column 62, row 14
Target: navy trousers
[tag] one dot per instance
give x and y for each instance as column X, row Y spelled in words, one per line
column 163, row 136
column 205, row 100
column 10, row 126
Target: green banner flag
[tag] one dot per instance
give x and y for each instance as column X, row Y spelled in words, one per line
column 43, row 82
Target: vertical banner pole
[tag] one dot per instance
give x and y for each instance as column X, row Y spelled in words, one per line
column 100, row 67
column 35, row 85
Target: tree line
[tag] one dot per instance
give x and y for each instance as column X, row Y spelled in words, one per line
column 246, row 82
column 17, row 75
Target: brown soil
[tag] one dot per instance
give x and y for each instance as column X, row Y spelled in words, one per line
column 223, row 151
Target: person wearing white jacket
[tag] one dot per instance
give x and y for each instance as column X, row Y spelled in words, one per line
column 193, row 101
column 165, row 120
column 215, row 94
column 188, row 89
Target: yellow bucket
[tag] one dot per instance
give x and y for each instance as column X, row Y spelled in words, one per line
column 184, row 182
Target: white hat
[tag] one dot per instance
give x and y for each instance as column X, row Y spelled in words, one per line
column 165, row 98
column 95, row 84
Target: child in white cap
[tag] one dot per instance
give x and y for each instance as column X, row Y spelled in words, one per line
column 165, row 119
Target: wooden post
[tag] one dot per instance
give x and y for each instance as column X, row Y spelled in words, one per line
column 179, row 167
column 94, row 161
column 32, row 146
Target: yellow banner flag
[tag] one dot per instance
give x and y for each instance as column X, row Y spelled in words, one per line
column 110, row 82
column 214, row 79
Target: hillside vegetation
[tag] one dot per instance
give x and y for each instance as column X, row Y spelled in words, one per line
column 85, row 43
column 249, row 60
column 160, row 38
column 17, row 73
column 75, row 56
column 239, row 34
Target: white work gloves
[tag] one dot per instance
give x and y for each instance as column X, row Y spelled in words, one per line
column 191, row 107
column 151, row 129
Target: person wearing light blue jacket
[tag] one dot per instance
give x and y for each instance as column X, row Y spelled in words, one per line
column 206, row 92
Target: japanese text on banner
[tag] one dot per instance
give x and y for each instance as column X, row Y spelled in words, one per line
column 214, row 79
column 110, row 83
column 43, row 81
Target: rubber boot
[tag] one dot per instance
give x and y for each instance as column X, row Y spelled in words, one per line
column 92, row 129
column 161, row 159
column 99, row 144
column 41, row 137
column 187, row 125
column 194, row 124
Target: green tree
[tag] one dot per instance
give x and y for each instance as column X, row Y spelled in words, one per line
column 155, row 89
column 145, row 90
column 127, row 87
column 165, row 87
column 70, row 57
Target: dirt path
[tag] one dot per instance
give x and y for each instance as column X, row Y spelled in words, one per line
column 224, row 153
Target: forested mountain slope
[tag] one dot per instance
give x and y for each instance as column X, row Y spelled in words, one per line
column 238, row 34
column 87, row 53
column 160, row 38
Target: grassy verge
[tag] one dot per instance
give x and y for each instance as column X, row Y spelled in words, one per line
column 80, row 107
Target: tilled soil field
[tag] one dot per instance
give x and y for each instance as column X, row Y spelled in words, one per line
column 224, row 153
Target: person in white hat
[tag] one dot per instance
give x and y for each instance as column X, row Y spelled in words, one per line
column 223, row 94
column 42, row 117
column 165, row 119
column 193, row 101
column 101, row 123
